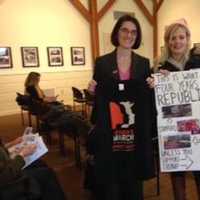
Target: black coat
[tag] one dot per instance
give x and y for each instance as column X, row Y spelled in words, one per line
column 192, row 63
column 105, row 70
column 31, row 90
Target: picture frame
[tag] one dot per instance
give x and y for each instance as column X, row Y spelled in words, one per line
column 78, row 55
column 30, row 56
column 5, row 57
column 196, row 45
column 55, row 56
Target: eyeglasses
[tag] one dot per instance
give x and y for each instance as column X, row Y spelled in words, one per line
column 126, row 31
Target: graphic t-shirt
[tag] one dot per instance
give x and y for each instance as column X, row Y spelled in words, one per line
column 121, row 96
column 122, row 123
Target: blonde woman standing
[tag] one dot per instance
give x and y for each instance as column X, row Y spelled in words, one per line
column 176, row 57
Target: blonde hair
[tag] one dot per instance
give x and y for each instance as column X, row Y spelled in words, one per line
column 166, row 54
column 32, row 79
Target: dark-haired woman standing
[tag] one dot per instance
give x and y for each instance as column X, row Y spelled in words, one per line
column 121, row 140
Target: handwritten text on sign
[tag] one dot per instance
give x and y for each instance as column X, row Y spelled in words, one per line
column 178, row 107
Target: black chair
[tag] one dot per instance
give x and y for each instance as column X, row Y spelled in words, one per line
column 75, row 127
column 22, row 188
column 24, row 110
column 89, row 102
column 24, row 101
column 78, row 97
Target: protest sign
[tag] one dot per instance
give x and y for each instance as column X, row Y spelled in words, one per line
column 178, row 116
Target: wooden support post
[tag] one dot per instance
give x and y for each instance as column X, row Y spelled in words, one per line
column 94, row 29
column 155, row 30
column 145, row 11
column 79, row 6
column 153, row 20
column 93, row 17
column 105, row 8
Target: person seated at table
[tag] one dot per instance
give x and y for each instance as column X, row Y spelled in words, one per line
column 44, row 178
column 33, row 89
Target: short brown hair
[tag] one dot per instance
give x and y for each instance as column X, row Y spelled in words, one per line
column 115, row 31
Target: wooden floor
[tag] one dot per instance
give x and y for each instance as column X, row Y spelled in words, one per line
column 71, row 177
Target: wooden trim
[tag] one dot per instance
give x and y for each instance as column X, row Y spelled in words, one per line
column 159, row 4
column 93, row 17
column 145, row 11
column 155, row 30
column 80, row 7
column 94, row 29
column 105, row 8
column 155, row 41
column 153, row 19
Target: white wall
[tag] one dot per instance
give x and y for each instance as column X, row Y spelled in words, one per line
column 42, row 23
column 172, row 10
column 107, row 23
column 45, row 23
column 60, row 81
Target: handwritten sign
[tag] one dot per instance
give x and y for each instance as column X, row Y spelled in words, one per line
column 178, row 107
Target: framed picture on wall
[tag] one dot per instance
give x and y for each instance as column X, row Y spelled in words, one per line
column 55, row 56
column 30, row 57
column 5, row 57
column 196, row 45
column 78, row 55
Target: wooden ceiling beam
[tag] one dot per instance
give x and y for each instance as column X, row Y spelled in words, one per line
column 159, row 4
column 81, row 8
column 153, row 20
column 155, row 29
column 93, row 17
column 94, row 29
column 105, row 8
column 145, row 11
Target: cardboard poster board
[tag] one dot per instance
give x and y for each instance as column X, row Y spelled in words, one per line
column 178, row 115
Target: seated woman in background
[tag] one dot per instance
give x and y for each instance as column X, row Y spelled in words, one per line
column 44, row 178
column 33, row 89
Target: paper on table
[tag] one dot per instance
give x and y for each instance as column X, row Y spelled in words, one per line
column 30, row 139
column 40, row 151
column 49, row 92
column 28, row 130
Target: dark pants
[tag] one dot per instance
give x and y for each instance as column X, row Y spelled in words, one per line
column 47, row 181
column 122, row 191
column 178, row 184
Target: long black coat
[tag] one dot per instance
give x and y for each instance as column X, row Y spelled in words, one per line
column 106, row 69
